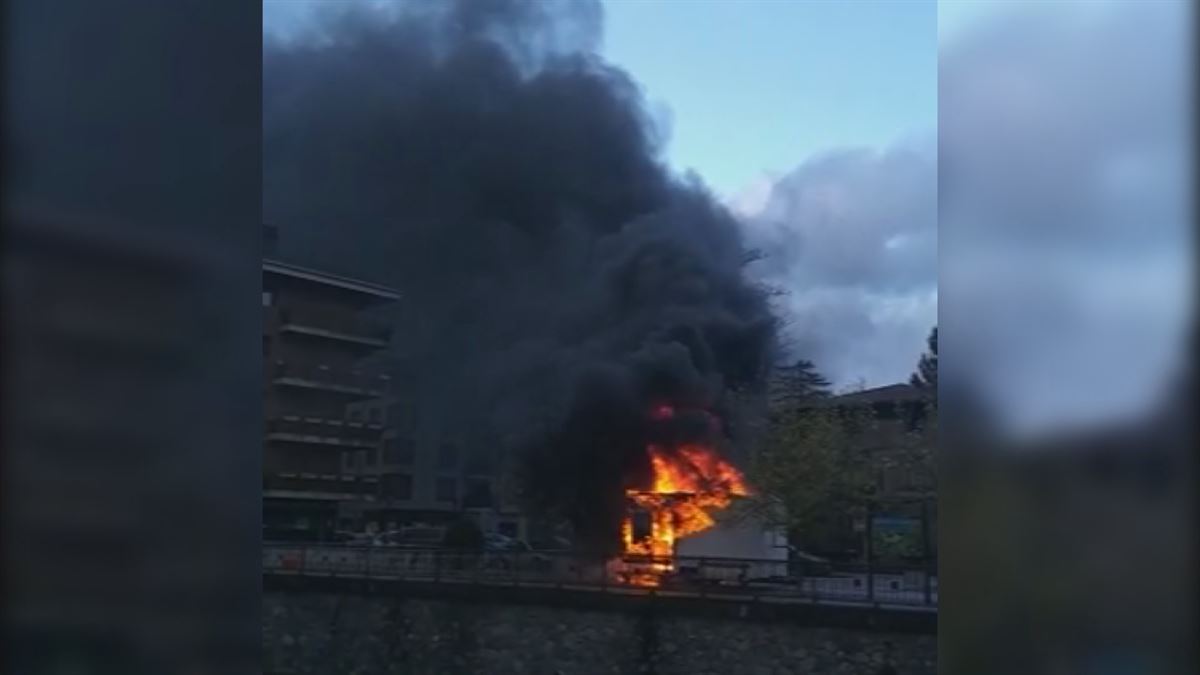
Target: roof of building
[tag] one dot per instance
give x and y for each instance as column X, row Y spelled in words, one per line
column 892, row 393
column 319, row 277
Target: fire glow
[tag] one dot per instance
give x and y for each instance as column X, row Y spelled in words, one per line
column 689, row 484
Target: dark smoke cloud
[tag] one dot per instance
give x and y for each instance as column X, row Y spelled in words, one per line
column 558, row 282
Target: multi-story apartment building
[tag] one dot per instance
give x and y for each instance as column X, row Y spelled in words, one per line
column 427, row 477
column 402, row 491
column 317, row 335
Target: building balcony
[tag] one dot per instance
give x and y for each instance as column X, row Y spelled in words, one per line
column 318, row 431
column 350, row 382
column 334, row 326
column 324, row 487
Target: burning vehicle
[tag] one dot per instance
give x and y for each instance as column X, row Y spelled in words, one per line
column 690, row 485
column 560, row 280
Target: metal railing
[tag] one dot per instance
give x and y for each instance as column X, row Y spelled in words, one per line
column 335, row 487
column 734, row 578
column 338, row 432
column 335, row 322
column 321, row 375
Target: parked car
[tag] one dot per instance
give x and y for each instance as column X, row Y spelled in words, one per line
column 502, row 552
column 494, row 541
column 411, row 537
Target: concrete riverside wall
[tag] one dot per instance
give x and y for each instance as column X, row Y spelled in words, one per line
column 363, row 635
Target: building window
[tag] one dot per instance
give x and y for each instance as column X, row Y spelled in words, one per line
column 447, row 490
column 354, row 415
column 397, row 486
column 268, row 298
column 360, row 460
column 373, row 415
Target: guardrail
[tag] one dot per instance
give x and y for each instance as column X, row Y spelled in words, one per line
column 759, row 580
column 335, row 322
column 375, row 384
column 327, row 430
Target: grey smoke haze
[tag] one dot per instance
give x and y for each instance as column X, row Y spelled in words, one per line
column 850, row 237
column 557, row 280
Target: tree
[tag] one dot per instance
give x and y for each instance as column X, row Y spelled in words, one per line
column 926, row 376
column 792, row 386
column 810, row 466
column 820, row 463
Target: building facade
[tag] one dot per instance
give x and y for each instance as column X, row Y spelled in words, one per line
column 428, row 477
column 345, row 450
column 317, row 337
column 412, row 484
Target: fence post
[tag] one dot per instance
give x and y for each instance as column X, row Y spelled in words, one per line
column 930, row 568
column 870, row 528
column 603, row 567
column 437, row 566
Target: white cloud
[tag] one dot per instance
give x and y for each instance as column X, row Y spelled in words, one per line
column 751, row 200
column 851, row 237
column 1061, row 184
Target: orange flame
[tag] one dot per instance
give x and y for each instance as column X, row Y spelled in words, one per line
column 689, row 484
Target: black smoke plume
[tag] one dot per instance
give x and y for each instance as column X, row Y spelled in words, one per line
column 558, row 281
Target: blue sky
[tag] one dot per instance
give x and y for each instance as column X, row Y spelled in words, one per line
column 757, row 87
column 956, row 16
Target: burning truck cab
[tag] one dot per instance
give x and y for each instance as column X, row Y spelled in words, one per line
column 728, row 551
column 688, row 485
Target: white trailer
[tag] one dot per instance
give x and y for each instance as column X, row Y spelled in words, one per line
column 735, row 550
